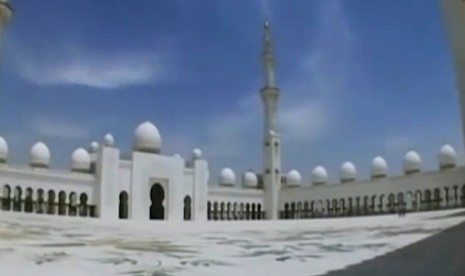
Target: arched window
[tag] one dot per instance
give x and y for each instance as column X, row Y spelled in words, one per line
column 400, row 202
column 366, row 206
column 357, row 206
column 335, row 207
column 373, row 204
column 342, row 204
column 209, row 210
column 447, row 197
column 235, row 211
column 381, row 204
column 247, row 211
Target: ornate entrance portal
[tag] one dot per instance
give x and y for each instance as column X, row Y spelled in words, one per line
column 157, row 195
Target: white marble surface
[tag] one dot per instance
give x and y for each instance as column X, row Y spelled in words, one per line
column 44, row 245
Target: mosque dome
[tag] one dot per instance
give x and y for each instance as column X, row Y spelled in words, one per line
column 227, row 177
column 197, row 154
column 412, row 162
column 378, row 167
column 319, row 175
column 447, row 157
column 3, row 150
column 250, row 180
column 94, row 146
column 80, row 160
column 294, row 179
column 40, row 155
column 348, row 172
column 147, row 138
column 108, row 140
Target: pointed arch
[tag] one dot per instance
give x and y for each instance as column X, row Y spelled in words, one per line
column 259, row 211
column 286, row 210
column 428, row 200
column 437, row 198
column 253, row 211
column 247, row 211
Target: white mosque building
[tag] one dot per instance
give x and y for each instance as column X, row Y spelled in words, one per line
column 148, row 185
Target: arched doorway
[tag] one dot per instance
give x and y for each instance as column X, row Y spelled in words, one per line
column 123, row 205
column 40, row 202
column 187, row 207
column 51, row 202
column 6, row 198
column 259, row 211
column 72, row 208
column 437, row 198
column 209, row 210
column 17, row 199
column 428, row 200
column 391, row 203
column 286, row 210
column 62, row 203
column 157, row 195
column 83, row 205
column 28, row 201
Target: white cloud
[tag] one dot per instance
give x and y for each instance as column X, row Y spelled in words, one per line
column 308, row 104
column 107, row 70
column 58, row 128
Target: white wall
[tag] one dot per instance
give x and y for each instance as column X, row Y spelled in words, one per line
column 46, row 180
column 386, row 186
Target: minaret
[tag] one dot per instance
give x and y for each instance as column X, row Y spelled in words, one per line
column 271, row 141
column 5, row 15
column 454, row 19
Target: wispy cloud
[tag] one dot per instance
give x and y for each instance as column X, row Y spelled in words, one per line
column 308, row 104
column 104, row 70
column 57, row 128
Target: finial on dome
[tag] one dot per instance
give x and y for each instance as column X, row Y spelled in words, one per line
column 266, row 24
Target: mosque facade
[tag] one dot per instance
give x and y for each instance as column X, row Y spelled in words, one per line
column 106, row 183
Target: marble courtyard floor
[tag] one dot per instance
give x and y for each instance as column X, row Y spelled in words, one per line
column 44, row 245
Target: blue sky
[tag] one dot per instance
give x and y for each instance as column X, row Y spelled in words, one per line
column 358, row 79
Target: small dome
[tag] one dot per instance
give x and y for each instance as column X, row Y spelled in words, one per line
column 80, row 160
column 227, row 177
column 197, row 154
column 250, row 180
column 177, row 155
column 319, row 175
column 147, row 138
column 39, row 155
column 94, row 146
column 412, row 162
column 3, row 150
column 447, row 157
column 378, row 167
column 108, row 140
column 294, row 179
column 348, row 172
